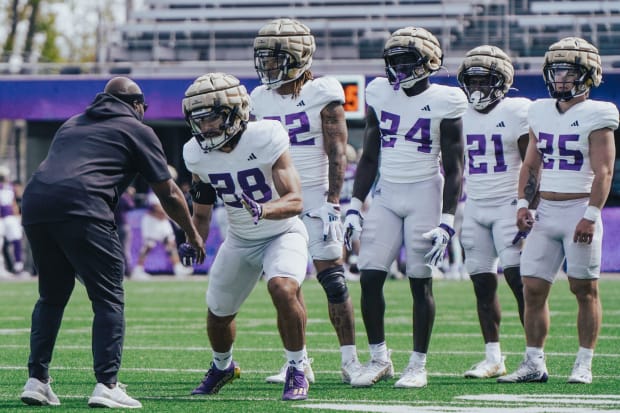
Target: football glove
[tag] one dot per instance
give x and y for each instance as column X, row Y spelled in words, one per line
column 254, row 208
column 353, row 222
column 187, row 254
column 520, row 235
column 330, row 215
column 441, row 237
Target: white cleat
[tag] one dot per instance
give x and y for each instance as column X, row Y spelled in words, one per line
column 486, row 369
column 37, row 393
column 527, row 372
column 139, row 274
column 581, row 374
column 350, row 370
column 372, row 372
column 114, row 398
column 412, row 377
column 281, row 376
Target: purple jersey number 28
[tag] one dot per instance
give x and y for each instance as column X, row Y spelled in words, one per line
column 252, row 183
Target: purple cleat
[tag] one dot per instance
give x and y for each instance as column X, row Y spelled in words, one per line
column 295, row 385
column 215, row 379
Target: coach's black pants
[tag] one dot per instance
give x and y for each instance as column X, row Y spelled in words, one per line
column 91, row 249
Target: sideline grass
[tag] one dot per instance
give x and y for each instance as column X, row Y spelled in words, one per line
column 166, row 352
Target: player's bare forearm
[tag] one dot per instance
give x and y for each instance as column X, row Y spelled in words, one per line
column 368, row 164
column 287, row 183
column 602, row 158
column 335, row 141
column 202, row 219
column 452, row 157
column 529, row 176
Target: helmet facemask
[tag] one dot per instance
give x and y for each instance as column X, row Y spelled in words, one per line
column 566, row 80
column 283, row 51
column 220, row 133
column 404, row 67
column 276, row 67
column 482, row 86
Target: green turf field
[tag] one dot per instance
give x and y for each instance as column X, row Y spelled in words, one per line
column 167, row 352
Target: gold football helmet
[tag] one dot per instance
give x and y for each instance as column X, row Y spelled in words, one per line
column 216, row 96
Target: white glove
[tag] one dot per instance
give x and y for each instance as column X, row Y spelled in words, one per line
column 352, row 227
column 441, row 237
column 330, row 215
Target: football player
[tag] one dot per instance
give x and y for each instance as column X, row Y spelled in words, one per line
column 248, row 166
column 571, row 155
column 410, row 125
column 312, row 112
column 496, row 135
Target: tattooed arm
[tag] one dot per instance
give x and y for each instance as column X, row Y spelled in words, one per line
column 335, row 142
column 529, row 179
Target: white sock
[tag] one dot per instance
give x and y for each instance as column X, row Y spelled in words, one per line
column 296, row 358
column 417, row 359
column 493, row 352
column 378, row 351
column 348, row 353
column 536, row 354
column 584, row 356
column 222, row 360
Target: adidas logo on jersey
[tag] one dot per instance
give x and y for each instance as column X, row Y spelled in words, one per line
column 575, row 123
column 426, row 108
column 301, row 103
column 251, row 157
column 501, row 124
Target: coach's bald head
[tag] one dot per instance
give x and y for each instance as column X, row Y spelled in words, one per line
column 129, row 92
column 119, row 86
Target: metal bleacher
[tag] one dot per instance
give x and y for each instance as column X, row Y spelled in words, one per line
column 188, row 36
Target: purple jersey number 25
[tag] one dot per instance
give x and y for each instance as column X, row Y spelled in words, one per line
column 565, row 163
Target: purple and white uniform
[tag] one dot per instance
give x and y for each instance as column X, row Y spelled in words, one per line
column 492, row 165
column 563, row 141
column 301, row 117
column 275, row 247
column 11, row 223
column 408, row 197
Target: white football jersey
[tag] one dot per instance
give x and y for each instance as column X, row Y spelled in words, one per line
column 563, row 141
column 301, row 117
column 492, row 158
column 247, row 168
column 410, row 148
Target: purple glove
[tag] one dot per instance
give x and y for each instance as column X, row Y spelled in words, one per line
column 187, row 254
column 520, row 235
column 254, row 208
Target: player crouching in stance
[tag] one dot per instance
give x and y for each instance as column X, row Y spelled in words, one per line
column 249, row 167
column 572, row 152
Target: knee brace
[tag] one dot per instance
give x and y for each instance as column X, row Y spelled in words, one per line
column 332, row 281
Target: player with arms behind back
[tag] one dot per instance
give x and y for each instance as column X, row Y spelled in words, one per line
column 249, row 167
column 571, row 155
column 496, row 135
column 411, row 124
column 311, row 111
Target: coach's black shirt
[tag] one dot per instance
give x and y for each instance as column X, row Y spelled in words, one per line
column 93, row 157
